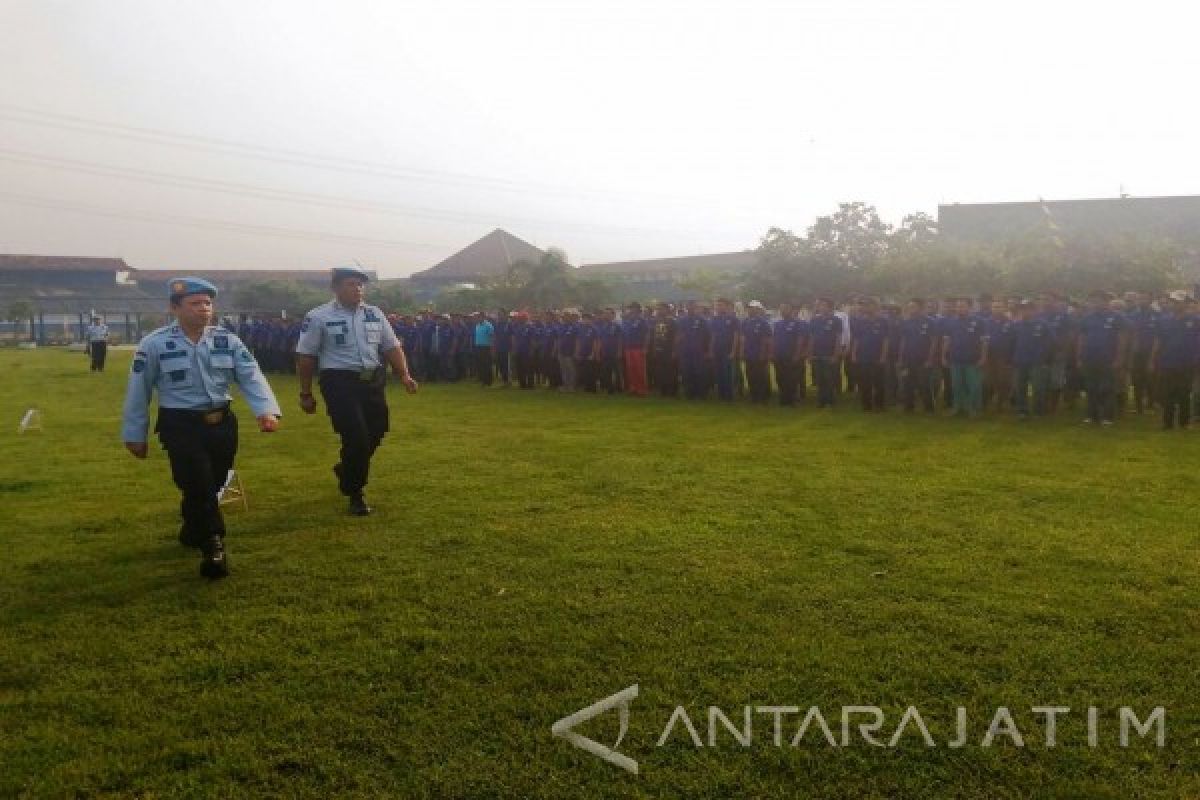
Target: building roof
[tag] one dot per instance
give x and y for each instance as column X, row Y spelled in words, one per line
column 1177, row 218
column 738, row 262
column 489, row 256
column 25, row 263
column 223, row 277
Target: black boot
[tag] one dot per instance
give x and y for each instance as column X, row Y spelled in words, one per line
column 358, row 505
column 214, row 565
column 189, row 537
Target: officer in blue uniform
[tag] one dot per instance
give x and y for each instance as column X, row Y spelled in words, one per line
column 756, row 352
column 191, row 364
column 350, row 344
column 1100, row 349
column 97, row 343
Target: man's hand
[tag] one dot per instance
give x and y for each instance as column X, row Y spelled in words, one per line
column 138, row 449
column 308, row 403
column 268, row 423
column 410, row 385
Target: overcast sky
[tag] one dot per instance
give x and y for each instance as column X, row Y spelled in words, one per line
column 266, row 134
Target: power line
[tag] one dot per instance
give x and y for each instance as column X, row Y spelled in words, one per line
column 209, row 224
column 307, row 198
column 72, row 122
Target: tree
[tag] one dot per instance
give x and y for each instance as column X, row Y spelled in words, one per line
column 854, row 234
column 916, row 230
column 275, row 296
column 392, row 296
column 20, row 311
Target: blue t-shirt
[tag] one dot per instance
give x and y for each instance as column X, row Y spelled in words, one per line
column 523, row 336
column 1000, row 339
column 756, row 336
column 633, row 333
column 1144, row 323
column 1178, row 341
column 485, row 334
column 916, row 336
column 788, row 333
column 566, row 335
column 966, row 335
column 1033, row 342
column 503, row 335
column 1101, row 332
column 724, row 328
column 869, row 334
column 693, row 337
column 587, row 340
column 826, row 333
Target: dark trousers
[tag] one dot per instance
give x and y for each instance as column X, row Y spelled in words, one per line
column 1175, row 386
column 524, row 370
column 586, row 373
column 664, row 374
column 723, row 369
column 201, row 456
column 483, row 365
column 502, row 366
column 870, row 384
column 1142, row 378
column 826, row 377
column 98, row 352
column 359, row 412
column 695, row 378
column 1100, row 382
column 758, row 376
column 915, row 383
column 787, row 378
column 610, row 374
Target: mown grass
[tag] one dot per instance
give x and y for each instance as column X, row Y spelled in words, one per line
column 532, row 553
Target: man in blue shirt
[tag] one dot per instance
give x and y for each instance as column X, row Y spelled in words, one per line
column 548, row 350
column 998, row 376
column 965, row 352
column 634, row 332
column 523, row 336
column 789, row 343
column 756, row 352
column 663, row 356
column 1143, row 322
column 483, row 334
column 1099, row 351
column 609, row 333
column 191, row 364
column 585, row 353
column 349, row 345
column 694, row 344
column 725, row 328
column 915, row 358
column 824, row 350
column 565, row 344
column 868, row 353
column 1174, row 356
column 502, row 344
column 1033, row 346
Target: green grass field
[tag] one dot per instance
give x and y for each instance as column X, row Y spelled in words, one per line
column 532, row 553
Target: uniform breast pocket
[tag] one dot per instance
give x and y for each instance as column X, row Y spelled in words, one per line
column 182, row 378
column 222, row 360
column 374, row 331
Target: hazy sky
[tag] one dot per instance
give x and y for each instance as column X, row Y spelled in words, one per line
column 268, row 134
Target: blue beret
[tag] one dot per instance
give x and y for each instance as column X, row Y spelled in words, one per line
column 181, row 287
column 350, row 272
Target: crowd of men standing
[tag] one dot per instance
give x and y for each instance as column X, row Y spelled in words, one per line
column 965, row 355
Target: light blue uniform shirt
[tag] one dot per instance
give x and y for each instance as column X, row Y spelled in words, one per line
column 193, row 377
column 484, row 333
column 97, row 333
column 346, row 338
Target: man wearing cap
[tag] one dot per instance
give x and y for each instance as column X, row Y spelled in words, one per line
column 756, row 352
column 191, row 364
column 350, row 344
column 97, row 343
